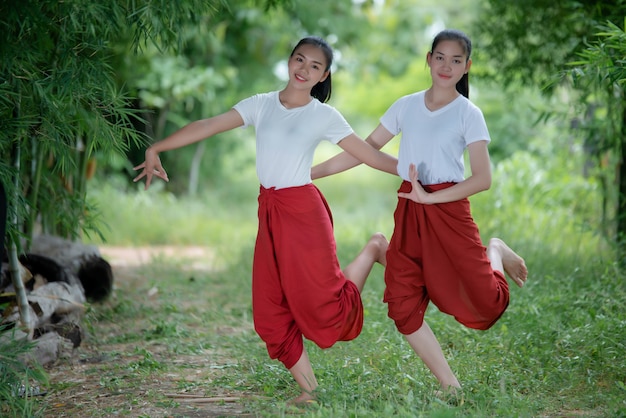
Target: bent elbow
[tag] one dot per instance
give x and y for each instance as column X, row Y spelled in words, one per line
column 486, row 183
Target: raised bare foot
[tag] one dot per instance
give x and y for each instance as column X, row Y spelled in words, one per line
column 382, row 244
column 512, row 263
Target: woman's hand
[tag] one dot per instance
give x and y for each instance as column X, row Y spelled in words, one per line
column 417, row 194
column 151, row 167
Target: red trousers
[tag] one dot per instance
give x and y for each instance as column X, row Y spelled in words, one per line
column 298, row 288
column 436, row 253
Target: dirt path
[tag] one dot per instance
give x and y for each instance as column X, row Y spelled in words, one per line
column 199, row 257
column 82, row 384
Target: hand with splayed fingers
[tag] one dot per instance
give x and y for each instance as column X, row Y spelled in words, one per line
column 151, row 167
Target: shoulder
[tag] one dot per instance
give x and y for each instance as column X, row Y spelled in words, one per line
column 469, row 106
column 260, row 98
column 408, row 98
column 324, row 108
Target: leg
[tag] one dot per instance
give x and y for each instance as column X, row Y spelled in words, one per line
column 302, row 372
column 374, row 251
column 504, row 259
column 357, row 271
column 426, row 346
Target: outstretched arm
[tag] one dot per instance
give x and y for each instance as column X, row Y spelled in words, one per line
column 189, row 134
column 364, row 152
column 345, row 160
column 479, row 180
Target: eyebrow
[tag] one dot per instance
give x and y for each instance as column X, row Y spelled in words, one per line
column 458, row 55
column 301, row 55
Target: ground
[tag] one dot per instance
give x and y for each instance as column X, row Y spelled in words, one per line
column 82, row 385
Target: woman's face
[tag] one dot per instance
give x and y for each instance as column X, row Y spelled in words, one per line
column 448, row 62
column 307, row 66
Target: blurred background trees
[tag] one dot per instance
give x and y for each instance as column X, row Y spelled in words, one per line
column 573, row 52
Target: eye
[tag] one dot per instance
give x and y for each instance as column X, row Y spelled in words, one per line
column 457, row 61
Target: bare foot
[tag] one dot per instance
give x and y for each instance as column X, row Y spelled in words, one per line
column 382, row 244
column 512, row 263
column 452, row 395
column 305, row 398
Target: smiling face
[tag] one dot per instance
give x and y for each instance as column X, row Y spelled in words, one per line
column 307, row 67
column 448, row 62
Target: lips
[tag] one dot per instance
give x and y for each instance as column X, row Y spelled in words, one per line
column 299, row 78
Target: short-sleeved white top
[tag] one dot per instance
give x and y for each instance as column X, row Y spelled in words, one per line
column 434, row 140
column 286, row 138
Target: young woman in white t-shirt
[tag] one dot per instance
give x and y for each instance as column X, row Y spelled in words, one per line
column 298, row 287
column 436, row 253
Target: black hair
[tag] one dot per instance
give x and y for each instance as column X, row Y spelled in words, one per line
column 456, row 35
column 322, row 90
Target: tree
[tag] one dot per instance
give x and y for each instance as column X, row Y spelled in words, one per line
column 600, row 76
column 219, row 65
column 60, row 101
column 549, row 45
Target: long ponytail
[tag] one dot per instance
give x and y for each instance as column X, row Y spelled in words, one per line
column 463, row 85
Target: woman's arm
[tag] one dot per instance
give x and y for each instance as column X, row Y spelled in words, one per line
column 478, row 181
column 366, row 153
column 345, row 160
column 189, row 134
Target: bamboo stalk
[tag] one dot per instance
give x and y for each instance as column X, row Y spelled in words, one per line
column 14, row 264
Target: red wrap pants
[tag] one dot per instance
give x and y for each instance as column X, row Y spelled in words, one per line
column 436, row 253
column 298, row 288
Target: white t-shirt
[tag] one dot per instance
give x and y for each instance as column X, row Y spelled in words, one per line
column 286, row 138
column 434, row 141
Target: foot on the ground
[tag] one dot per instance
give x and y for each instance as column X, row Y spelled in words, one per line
column 513, row 264
column 304, row 399
column 452, row 395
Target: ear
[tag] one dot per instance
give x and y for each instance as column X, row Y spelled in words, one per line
column 429, row 55
column 468, row 65
column 325, row 76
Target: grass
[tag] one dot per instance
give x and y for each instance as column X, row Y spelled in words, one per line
column 557, row 352
column 19, row 377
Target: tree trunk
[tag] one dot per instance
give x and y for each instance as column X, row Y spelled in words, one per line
column 621, row 197
column 194, row 172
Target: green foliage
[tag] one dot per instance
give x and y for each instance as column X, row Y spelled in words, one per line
column 599, row 76
column 530, row 52
column 62, row 101
column 531, row 41
column 17, row 378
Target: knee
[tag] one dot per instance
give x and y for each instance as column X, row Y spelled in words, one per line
column 483, row 323
column 407, row 317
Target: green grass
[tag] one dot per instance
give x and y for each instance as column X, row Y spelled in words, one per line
column 18, row 376
column 557, row 352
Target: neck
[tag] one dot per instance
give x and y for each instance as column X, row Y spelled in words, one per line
column 291, row 98
column 438, row 98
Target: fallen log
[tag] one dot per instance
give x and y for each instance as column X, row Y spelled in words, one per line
column 62, row 276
